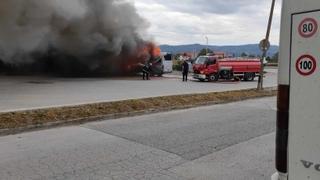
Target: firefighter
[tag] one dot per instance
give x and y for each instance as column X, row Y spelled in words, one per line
column 185, row 71
column 146, row 71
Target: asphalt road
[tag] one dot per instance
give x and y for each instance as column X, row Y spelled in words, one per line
column 222, row 142
column 21, row 93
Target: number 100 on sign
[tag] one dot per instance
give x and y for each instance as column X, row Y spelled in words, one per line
column 306, row 65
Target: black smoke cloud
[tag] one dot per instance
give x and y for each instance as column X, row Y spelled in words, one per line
column 76, row 37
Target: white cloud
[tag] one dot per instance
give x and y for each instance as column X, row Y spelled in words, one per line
column 225, row 22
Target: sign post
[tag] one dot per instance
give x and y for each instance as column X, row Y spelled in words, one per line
column 264, row 46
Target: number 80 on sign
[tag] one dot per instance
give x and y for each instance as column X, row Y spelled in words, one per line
column 308, row 27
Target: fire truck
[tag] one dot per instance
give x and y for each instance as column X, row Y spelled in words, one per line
column 298, row 114
column 212, row 68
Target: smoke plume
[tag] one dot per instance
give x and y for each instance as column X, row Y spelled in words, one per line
column 69, row 36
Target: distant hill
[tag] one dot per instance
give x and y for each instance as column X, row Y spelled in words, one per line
column 237, row 50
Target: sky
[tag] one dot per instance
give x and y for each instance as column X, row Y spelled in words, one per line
column 223, row 22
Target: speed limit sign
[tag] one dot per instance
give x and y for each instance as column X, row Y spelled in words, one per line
column 306, row 65
column 308, row 27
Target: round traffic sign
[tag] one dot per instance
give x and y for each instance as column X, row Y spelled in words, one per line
column 308, row 27
column 306, row 65
column 264, row 45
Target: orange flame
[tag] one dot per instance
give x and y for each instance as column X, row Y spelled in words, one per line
column 152, row 50
column 156, row 51
column 145, row 52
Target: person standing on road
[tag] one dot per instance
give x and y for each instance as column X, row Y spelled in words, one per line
column 185, row 71
column 146, row 71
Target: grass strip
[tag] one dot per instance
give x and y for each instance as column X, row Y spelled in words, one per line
column 30, row 119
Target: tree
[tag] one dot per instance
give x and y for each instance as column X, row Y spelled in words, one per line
column 244, row 54
column 275, row 58
column 252, row 56
column 204, row 51
column 177, row 56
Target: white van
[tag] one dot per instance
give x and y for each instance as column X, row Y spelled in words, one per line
column 298, row 116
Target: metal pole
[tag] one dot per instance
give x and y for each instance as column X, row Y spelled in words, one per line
column 264, row 54
column 207, row 45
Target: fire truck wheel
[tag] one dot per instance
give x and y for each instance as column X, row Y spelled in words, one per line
column 213, row 77
column 249, row 76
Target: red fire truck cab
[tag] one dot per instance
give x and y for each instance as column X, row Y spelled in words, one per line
column 212, row 68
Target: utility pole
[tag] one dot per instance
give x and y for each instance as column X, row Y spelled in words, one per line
column 265, row 45
column 207, row 39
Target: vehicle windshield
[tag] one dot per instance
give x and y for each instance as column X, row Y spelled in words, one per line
column 201, row 60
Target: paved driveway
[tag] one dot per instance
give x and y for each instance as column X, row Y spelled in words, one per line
column 18, row 93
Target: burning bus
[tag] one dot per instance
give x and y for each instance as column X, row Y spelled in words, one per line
column 160, row 62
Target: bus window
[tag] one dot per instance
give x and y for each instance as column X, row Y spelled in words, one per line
column 168, row 57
